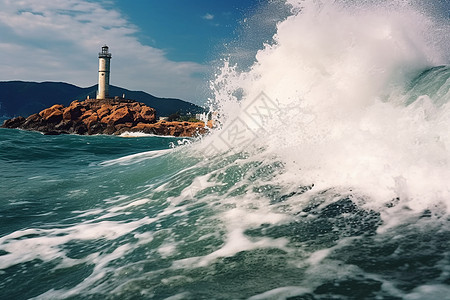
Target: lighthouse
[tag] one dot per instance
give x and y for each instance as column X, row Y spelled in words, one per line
column 104, row 59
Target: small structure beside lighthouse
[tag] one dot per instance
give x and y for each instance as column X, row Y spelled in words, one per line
column 104, row 59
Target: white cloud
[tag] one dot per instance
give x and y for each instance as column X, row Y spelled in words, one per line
column 208, row 16
column 58, row 40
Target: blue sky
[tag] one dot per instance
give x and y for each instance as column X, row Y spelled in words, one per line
column 192, row 30
column 164, row 47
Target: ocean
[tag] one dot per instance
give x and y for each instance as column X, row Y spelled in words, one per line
column 327, row 177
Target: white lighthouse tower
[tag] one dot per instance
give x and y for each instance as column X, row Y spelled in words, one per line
column 104, row 59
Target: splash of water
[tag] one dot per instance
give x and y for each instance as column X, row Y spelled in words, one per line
column 345, row 111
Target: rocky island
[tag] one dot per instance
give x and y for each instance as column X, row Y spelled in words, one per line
column 103, row 116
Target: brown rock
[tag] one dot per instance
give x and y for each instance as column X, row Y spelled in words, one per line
column 120, row 128
column 97, row 128
column 120, row 115
column 65, row 126
column 74, row 111
column 103, row 116
column 14, row 123
column 33, row 120
column 89, row 119
column 53, row 111
column 103, row 111
column 55, row 117
column 146, row 114
column 80, row 128
column 182, row 129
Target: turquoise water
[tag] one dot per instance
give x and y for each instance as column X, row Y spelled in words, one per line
column 54, row 187
column 41, row 174
column 327, row 178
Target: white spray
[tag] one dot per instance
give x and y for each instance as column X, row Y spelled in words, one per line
column 338, row 74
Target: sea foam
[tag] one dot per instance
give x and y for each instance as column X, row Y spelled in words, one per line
column 340, row 76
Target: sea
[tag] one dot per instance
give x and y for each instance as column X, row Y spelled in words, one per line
column 327, row 176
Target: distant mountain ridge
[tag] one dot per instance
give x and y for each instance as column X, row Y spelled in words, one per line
column 22, row 98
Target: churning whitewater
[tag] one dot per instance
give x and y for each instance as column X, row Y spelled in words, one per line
column 327, row 177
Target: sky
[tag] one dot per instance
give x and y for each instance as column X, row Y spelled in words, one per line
column 167, row 48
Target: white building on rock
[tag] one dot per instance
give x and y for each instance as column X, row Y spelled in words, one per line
column 104, row 59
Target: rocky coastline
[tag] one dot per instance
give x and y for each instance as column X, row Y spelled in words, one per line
column 103, row 116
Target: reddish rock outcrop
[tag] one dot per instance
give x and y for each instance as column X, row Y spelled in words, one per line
column 103, row 116
column 169, row 128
